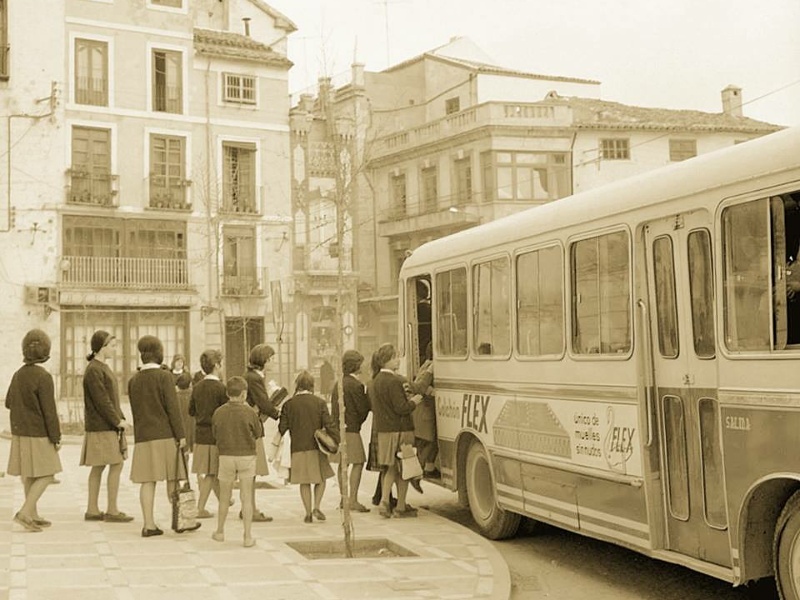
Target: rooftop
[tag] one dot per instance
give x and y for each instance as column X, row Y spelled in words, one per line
column 225, row 44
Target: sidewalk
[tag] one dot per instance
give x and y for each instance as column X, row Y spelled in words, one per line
column 96, row 560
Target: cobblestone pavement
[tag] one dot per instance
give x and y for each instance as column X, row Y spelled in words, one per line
column 98, row 560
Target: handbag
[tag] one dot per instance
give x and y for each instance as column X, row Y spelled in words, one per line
column 326, row 443
column 409, row 463
column 184, row 504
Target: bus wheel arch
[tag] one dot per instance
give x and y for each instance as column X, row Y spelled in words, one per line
column 760, row 527
column 493, row 521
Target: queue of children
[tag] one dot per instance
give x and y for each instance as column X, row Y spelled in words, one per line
column 227, row 428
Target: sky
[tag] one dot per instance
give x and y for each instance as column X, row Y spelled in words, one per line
column 655, row 53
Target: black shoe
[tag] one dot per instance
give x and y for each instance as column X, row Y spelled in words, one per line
column 151, row 532
column 416, row 485
column 435, row 474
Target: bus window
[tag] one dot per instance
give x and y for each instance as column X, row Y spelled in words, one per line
column 601, row 295
column 451, row 310
column 701, row 291
column 540, row 303
column 677, row 469
column 761, row 274
column 491, row 286
column 713, row 487
column 666, row 299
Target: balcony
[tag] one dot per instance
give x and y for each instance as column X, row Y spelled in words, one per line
column 169, row 194
column 90, row 188
column 245, row 282
column 506, row 114
column 91, row 90
column 167, row 98
column 243, row 199
column 399, row 223
column 109, row 272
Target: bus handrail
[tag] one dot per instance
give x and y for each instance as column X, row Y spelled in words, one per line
column 650, row 372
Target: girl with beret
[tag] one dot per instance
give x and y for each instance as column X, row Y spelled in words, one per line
column 104, row 423
column 35, row 429
column 157, row 430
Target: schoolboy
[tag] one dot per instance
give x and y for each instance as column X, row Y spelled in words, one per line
column 236, row 427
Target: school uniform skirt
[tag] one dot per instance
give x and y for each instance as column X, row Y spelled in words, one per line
column 309, row 466
column 262, row 468
column 100, row 448
column 389, row 445
column 33, row 457
column 356, row 455
column 156, row 460
column 205, row 459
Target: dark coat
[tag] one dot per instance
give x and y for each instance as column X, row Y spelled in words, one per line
column 154, row 405
column 257, row 396
column 101, row 408
column 391, row 408
column 301, row 416
column 356, row 404
column 32, row 402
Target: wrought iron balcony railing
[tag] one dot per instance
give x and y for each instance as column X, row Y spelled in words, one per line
column 244, row 282
column 91, row 188
column 110, row 272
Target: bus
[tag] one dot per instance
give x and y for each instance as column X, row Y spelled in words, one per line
column 625, row 362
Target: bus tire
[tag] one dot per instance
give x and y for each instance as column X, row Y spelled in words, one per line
column 787, row 550
column 493, row 522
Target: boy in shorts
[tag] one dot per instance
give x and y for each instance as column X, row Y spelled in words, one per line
column 236, row 427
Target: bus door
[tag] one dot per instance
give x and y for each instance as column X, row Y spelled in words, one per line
column 681, row 298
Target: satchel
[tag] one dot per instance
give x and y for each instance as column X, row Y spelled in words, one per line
column 409, row 463
column 184, row 504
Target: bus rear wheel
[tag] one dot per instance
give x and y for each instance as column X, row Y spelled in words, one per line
column 787, row 550
column 493, row 522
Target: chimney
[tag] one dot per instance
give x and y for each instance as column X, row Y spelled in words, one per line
column 732, row 101
column 357, row 74
column 246, row 26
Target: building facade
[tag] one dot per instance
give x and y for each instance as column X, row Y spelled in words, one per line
column 147, row 180
column 454, row 141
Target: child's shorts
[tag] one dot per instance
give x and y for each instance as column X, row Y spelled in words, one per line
column 232, row 468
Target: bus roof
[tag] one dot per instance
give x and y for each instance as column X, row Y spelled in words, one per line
column 768, row 154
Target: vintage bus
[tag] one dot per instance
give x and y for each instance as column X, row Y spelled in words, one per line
column 625, row 362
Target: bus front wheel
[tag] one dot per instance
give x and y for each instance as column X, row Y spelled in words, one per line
column 787, row 550
column 493, row 522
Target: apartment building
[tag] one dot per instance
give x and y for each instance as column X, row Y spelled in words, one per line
column 147, row 187
column 454, row 140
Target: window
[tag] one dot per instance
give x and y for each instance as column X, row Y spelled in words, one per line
column 239, row 178
column 540, row 302
column 677, row 468
column 761, row 274
column 170, row 3
column 615, row 149
column 711, row 445
column 452, row 105
column 701, row 291
column 167, row 172
column 525, row 176
column 240, row 275
column 601, row 295
column 240, row 89
column 167, row 81
column 397, row 184
column 491, row 288
column 682, row 149
column 666, row 297
column 451, row 308
column 90, row 173
column 430, row 189
column 4, row 47
column 462, row 169
column 91, row 72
